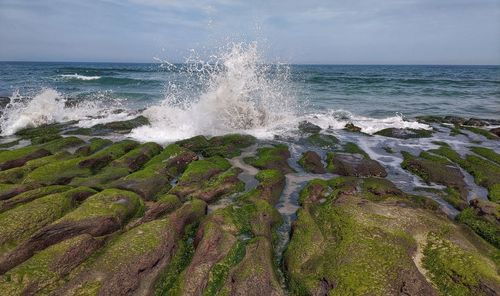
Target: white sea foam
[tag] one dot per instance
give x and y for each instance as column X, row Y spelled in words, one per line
column 49, row 106
column 80, row 77
column 240, row 94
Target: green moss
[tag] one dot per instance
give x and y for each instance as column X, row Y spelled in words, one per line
column 9, row 155
column 219, row 272
column 487, row 153
column 455, row 271
column 196, row 144
column 201, row 169
column 44, row 130
column 318, row 186
column 408, row 133
column 37, row 271
column 228, row 146
column 62, row 143
column 323, row 141
column 120, row 204
column 269, row 177
column 322, row 248
column 168, row 282
column 274, row 157
column 32, row 195
column 481, row 132
column 351, row 147
column 388, row 149
column 19, row 223
column 64, row 171
column 94, row 145
column 484, row 228
column 116, row 126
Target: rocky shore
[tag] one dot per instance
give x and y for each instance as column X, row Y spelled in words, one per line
column 85, row 211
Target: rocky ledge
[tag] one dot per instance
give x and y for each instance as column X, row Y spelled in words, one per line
column 81, row 215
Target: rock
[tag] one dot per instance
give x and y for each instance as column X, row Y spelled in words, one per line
column 487, row 153
column 350, row 127
column 271, row 185
column 495, row 131
column 62, row 144
column 406, row 133
column 485, row 172
column 208, row 179
column 254, row 275
column 48, row 267
column 126, row 164
column 16, row 158
column 475, row 122
column 19, row 223
column 164, row 205
column 100, row 214
column 30, row 195
column 62, row 172
column 228, row 146
column 10, row 190
column 323, row 141
column 121, row 127
column 311, row 162
column 154, row 178
column 482, row 132
column 196, row 144
column 271, row 158
column 131, row 262
column 345, row 164
column 308, row 127
column 95, row 145
column 483, row 217
column 340, row 232
column 436, row 169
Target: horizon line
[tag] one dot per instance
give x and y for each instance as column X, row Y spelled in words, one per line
column 293, row 64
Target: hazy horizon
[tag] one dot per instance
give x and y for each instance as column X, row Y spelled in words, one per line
column 320, row 32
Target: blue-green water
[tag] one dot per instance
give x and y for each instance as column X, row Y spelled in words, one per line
column 376, row 91
column 240, row 94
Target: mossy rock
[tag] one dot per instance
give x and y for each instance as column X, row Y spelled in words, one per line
column 486, row 173
column 62, row 143
column 45, row 271
column 208, row 179
column 487, row 153
column 479, row 131
column 436, row 169
column 10, row 190
column 42, row 131
column 196, row 144
column 10, row 144
column 19, row 223
column 456, row 271
column 228, row 146
column 18, row 157
column 17, row 174
column 350, row 127
column 489, row 229
column 308, row 127
column 323, row 141
column 63, row 172
column 274, row 157
column 311, row 162
column 121, row 127
column 405, row 133
column 343, row 246
column 346, row 164
column 94, row 145
column 137, row 256
column 30, row 195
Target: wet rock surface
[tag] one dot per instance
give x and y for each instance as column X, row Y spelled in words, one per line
column 233, row 215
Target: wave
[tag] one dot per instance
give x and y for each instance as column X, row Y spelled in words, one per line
column 48, row 106
column 80, row 77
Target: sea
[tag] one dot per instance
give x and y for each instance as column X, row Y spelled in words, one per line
column 236, row 91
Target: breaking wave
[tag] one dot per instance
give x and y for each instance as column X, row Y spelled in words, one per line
column 49, row 106
column 80, row 77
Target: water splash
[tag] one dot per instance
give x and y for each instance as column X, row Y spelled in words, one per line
column 234, row 91
column 49, row 106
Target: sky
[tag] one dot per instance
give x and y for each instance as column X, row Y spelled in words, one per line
column 302, row 32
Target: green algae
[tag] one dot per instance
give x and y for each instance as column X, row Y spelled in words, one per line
column 274, row 157
column 168, row 282
column 94, row 145
column 456, row 271
column 352, row 148
column 487, row 153
column 323, row 141
column 482, row 132
column 31, row 195
column 201, row 169
column 62, row 143
column 484, row 228
column 120, row 204
column 19, row 223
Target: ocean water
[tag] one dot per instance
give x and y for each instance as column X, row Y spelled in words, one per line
column 237, row 92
